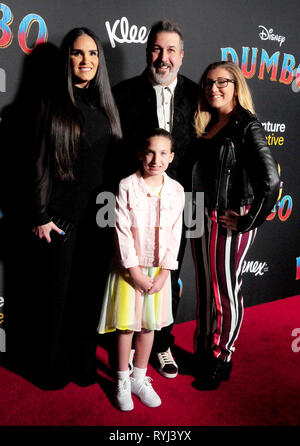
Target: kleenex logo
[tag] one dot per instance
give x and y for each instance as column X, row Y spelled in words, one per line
column 121, row 32
column 255, row 267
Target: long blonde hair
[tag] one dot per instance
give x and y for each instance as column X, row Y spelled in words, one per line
column 204, row 112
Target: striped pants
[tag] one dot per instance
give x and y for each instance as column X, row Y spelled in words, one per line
column 218, row 258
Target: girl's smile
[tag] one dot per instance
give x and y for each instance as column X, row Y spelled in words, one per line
column 156, row 158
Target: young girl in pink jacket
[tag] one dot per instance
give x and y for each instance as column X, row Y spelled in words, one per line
column 138, row 298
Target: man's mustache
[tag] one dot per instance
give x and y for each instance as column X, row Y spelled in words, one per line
column 161, row 64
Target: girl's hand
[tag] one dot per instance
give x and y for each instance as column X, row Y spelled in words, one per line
column 229, row 220
column 143, row 283
column 159, row 281
column 43, row 231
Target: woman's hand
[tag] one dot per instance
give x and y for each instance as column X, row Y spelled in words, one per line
column 143, row 283
column 159, row 281
column 229, row 220
column 43, row 231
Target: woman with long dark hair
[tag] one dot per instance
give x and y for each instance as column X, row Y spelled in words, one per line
column 75, row 132
column 239, row 178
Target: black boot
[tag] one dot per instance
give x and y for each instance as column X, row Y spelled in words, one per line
column 215, row 371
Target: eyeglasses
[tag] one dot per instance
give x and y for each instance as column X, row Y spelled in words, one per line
column 220, row 83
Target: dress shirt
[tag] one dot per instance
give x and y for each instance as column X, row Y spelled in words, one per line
column 165, row 104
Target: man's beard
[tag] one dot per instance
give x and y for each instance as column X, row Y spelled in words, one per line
column 161, row 79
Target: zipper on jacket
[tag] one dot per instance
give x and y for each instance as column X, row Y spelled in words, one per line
column 220, row 177
column 226, row 187
column 233, row 151
column 227, row 173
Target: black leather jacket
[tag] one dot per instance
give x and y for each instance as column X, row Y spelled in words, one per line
column 236, row 168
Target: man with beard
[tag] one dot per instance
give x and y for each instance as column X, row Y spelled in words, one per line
column 160, row 97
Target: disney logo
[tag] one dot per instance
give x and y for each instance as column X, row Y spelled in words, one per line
column 267, row 34
column 128, row 34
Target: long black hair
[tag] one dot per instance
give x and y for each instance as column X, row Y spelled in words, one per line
column 65, row 123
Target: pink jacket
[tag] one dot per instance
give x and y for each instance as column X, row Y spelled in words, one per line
column 149, row 236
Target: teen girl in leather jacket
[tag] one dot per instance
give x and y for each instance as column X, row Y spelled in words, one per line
column 235, row 169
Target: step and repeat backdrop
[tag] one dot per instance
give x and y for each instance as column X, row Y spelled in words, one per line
column 261, row 36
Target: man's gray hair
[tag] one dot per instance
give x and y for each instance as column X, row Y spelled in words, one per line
column 164, row 25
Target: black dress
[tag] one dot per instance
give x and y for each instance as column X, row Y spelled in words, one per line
column 65, row 278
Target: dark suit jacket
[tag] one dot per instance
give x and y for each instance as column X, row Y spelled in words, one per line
column 136, row 101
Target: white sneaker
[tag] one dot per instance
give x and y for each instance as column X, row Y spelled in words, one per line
column 130, row 363
column 144, row 390
column 167, row 366
column 123, row 394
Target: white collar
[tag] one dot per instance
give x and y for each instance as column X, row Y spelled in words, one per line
column 171, row 86
column 167, row 188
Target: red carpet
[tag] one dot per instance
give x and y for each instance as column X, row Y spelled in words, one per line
column 263, row 390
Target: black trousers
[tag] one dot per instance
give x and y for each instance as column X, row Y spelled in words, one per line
column 164, row 339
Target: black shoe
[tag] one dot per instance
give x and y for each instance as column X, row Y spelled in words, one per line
column 84, row 381
column 84, row 378
column 201, row 363
column 48, row 382
column 220, row 371
column 214, row 373
column 167, row 366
